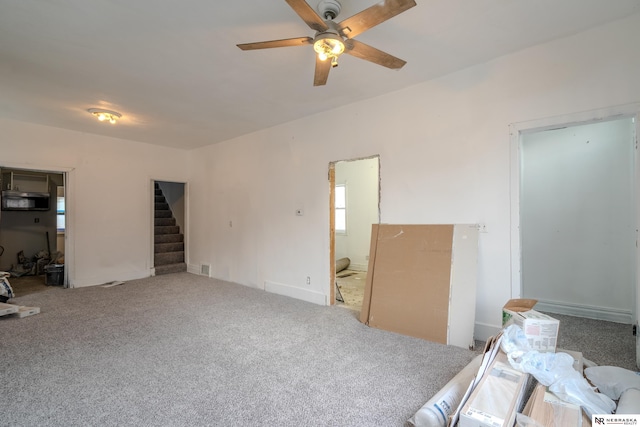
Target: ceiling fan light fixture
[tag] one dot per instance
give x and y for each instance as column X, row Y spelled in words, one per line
column 105, row 115
column 328, row 45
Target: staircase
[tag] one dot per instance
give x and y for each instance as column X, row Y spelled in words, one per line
column 168, row 251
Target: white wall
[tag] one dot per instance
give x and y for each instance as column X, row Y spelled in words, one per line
column 361, row 180
column 444, row 153
column 109, row 204
column 578, row 220
column 445, row 156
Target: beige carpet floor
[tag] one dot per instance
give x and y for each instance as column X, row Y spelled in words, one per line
column 27, row 285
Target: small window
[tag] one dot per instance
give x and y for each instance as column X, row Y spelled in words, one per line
column 341, row 208
column 60, row 210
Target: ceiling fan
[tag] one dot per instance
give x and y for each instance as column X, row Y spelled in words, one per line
column 334, row 38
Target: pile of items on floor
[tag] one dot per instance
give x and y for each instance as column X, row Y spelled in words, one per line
column 522, row 379
column 6, row 293
column 38, row 264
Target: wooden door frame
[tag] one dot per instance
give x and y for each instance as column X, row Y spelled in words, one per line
column 332, row 233
column 68, row 179
column 516, row 131
column 332, row 219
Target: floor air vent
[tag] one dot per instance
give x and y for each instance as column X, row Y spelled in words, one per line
column 204, row 269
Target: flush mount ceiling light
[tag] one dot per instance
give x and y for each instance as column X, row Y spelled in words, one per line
column 105, row 115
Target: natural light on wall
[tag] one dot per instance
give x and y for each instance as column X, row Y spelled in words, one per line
column 60, row 209
column 341, row 208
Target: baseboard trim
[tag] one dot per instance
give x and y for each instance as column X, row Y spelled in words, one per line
column 194, row 269
column 295, row 292
column 484, row 331
column 590, row 312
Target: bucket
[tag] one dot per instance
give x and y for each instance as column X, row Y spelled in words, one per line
column 54, row 275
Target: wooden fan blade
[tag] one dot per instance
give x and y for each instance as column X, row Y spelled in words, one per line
column 298, row 41
column 322, row 72
column 369, row 53
column 308, row 15
column 372, row 16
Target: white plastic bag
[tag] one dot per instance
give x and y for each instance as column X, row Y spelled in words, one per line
column 514, row 342
column 629, row 402
column 612, row 380
column 556, row 371
column 547, row 368
column 575, row 389
column 5, row 288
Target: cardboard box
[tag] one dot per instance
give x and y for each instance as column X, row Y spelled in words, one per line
column 541, row 330
column 491, row 350
column 497, row 397
column 421, row 281
column 549, row 411
column 24, row 311
column 7, row 309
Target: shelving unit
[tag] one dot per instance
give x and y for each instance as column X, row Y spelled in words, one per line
column 27, row 182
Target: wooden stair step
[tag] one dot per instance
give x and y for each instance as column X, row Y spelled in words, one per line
column 164, row 258
column 170, row 268
column 159, row 222
column 168, row 238
column 166, row 229
column 168, row 247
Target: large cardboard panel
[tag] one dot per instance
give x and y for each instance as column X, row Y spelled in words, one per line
column 408, row 282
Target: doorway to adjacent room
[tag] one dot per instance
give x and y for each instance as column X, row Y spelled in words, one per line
column 33, row 228
column 354, row 207
column 575, row 215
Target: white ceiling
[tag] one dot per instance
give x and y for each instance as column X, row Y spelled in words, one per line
column 173, row 70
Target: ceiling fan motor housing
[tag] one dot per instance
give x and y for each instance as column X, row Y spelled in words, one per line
column 329, row 9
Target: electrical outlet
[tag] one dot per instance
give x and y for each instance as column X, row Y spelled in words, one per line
column 308, row 280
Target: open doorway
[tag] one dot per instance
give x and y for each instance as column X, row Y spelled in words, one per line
column 169, row 227
column 577, row 219
column 354, row 207
column 33, row 229
column 575, row 216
